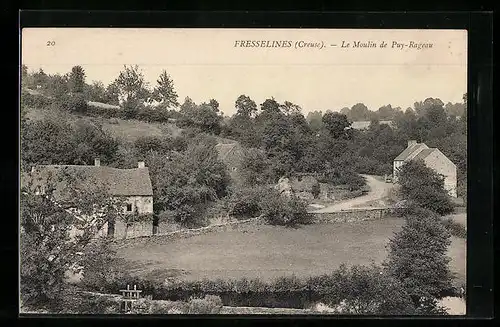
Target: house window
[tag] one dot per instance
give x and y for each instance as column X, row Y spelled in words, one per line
column 129, row 206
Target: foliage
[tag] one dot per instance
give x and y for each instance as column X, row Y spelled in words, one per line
column 100, row 265
column 76, row 80
column 315, row 190
column 363, row 290
column 210, row 304
column 185, row 183
column 418, row 258
column 54, row 141
column 201, row 117
column 344, row 176
column 164, row 91
column 131, row 87
column 454, row 228
column 424, row 186
column 96, row 92
column 255, row 168
column 280, row 210
column 47, row 250
column 336, row 124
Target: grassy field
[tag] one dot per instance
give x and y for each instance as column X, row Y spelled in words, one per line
column 128, row 130
column 268, row 252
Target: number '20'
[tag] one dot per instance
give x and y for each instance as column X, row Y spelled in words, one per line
column 51, row 43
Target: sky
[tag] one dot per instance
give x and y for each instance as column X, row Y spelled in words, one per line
column 211, row 63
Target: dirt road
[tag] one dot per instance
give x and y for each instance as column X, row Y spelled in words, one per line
column 373, row 199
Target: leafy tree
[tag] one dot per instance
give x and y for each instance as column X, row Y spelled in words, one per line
column 184, row 184
column 245, row 106
column 418, row 259
column 270, row 106
column 112, row 95
column 165, row 92
column 101, row 266
column 422, row 106
column 289, row 108
column 364, row 290
column 76, row 79
column 47, row 250
column 57, row 87
column 280, row 210
column 336, row 124
column 96, row 92
column 359, row 112
column 422, row 185
column 47, row 141
column 255, row 167
column 214, row 104
column 76, row 102
column 40, row 78
column 131, row 86
column 314, row 118
column 92, row 141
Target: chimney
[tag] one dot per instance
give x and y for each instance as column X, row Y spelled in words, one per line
column 140, row 164
column 97, row 162
column 411, row 142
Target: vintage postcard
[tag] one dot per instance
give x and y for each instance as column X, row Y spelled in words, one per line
column 243, row 171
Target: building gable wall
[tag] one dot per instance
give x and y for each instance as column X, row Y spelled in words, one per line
column 444, row 166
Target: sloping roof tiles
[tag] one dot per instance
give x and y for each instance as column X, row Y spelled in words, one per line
column 409, row 151
column 118, row 182
column 424, row 153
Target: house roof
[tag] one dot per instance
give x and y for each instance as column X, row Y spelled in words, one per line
column 102, row 105
column 364, row 124
column 424, row 153
column 117, row 182
column 409, row 151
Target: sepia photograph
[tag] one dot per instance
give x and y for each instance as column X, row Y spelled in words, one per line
column 173, row 171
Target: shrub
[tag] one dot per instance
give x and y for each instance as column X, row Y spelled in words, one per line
column 455, row 228
column 344, row 177
column 315, row 190
column 425, row 187
column 280, row 210
column 75, row 102
column 210, row 304
column 105, row 112
column 100, row 266
column 418, row 258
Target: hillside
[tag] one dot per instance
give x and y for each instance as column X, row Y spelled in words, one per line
column 127, row 130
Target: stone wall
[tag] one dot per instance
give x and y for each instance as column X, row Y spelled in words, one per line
column 351, row 216
column 167, row 237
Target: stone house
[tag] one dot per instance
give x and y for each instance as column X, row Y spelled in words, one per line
column 131, row 186
column 433, row 158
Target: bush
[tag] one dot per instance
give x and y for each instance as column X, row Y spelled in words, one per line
column 280, row 210
column 455, row 229
column 153, row 115
column 422, row 185
column 247, row 202
column 101, row 267
column 418, row 258
column 210, row 304
column 74, row 102
column 105, row 112
column 344, row 177
column 315, row 190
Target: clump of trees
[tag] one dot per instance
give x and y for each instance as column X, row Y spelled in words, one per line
column 418, row 259
column 424, row 187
